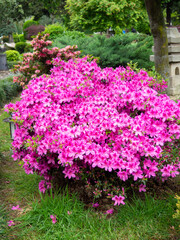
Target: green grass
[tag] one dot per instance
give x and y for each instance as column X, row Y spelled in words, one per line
column 148, row 219
column 5, row 139
column 3, row 222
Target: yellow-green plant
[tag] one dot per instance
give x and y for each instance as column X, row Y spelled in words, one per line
column 177, row 213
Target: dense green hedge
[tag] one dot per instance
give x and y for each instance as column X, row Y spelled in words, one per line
column 8, row 90
column 115, row 51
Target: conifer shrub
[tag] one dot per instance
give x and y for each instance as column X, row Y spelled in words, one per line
column 115, row 51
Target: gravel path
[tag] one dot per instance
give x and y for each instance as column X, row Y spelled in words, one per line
column 4, row 74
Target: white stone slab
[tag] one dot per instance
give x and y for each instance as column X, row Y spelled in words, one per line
column 174, row 49
column 174, row 58
column 9, row 45
column 173, row 39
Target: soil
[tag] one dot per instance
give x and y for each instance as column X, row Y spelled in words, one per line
column 155, row 188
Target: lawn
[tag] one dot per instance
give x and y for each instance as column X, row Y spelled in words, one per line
column 146, row 217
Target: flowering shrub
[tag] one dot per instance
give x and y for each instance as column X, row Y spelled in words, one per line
column 107, row 127
column 40, row 61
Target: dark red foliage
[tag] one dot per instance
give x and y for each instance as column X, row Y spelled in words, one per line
column 33, row 30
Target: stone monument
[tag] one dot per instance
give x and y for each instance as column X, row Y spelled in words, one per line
column 3, row 62
column 174, row 61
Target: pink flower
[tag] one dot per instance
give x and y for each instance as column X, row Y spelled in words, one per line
column 69, row 213
column 123, row 191
column 11, row 223
column 110, row 211
column 118, row 200
column 54, row 220
column 142, row 188
column 37, row 71
column 16, row 208
column 48, row 62
column 95, row 205
column 42, row 186
column 79, row 116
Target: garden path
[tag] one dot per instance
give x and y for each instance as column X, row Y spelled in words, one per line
column 4, row 74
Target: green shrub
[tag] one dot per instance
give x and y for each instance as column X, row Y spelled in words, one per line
column 11, row 64
column 45, row 20
column 20, row 46
column 28, row 48
column 8, row 90
column 143, row 27
column 115, row 51
column 12, row 55
column 21, row 38
column 74, row 34
column 29, row 23
column 54, row 30
column 2, row 96
column 16, row 37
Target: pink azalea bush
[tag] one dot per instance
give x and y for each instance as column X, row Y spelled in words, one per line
column 40, row 61
column 107, row 127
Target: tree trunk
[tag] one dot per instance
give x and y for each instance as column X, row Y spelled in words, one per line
column 158, row 31
column 168, row 13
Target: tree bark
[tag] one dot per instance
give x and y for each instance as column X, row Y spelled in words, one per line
column 158, row 31
column 168, row 13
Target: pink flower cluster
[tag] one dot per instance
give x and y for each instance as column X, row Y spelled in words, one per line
column 53, row 217
column 84, row 117
column 40, row 61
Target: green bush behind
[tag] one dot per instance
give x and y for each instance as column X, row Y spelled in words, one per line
column 54, row 30
column 20, row 46
column 29, row 23
column 8, row 90
column 18, row 37
column 114, row 51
